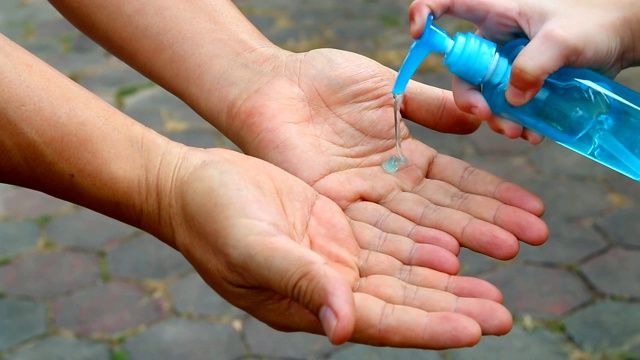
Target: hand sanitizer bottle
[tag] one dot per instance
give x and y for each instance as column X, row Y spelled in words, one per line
column 578, row 108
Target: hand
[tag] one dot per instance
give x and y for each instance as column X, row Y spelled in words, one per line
column 595, row 34
column 326, row 116
column 274, row 247
column 264, row 239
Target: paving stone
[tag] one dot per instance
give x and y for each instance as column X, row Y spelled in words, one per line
column 474, row 264
column 49, row 274
column 17, row 237
column 162, row 111
column 608, row 327
column 615, row 272
column 87, row 229
column 20, row 204
column 571, row 199
column 43, row 48
column 543, row 293
column 624, row 186
column 78, row 64
column 490, row 142
column 31, row 12
column 265, row 341
column 554, row 159
column 518, row 344
column 182, row 339
column 146, row 257
column 107, row 309
column 191, row 295
column 56, row 27
column 568, row 243
column 63, row 348
column 622, row 226
column 112, row 80
column 443, row 143
column 363, row 352
column 20, row 320
column 199, row 138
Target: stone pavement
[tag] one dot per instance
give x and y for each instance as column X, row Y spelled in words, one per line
column 74, row 285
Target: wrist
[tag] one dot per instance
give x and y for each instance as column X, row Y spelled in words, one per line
column 220, row 95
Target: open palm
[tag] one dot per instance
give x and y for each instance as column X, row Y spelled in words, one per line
column 274, row 247
column 326, row 116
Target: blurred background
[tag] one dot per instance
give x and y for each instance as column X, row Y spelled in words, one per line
column 77, row 285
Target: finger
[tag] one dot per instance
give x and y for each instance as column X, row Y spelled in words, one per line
column 322, row 286
column 536, row 62
column 388, row 222
column 405, row 250
column 515, row 220
column 505, row 127
column 473, row 180
column 493, row 318
column 469, row 98
column 471, row 232
column 531, row 136
column 312, row 283
column 374, row 263
column 383, row 324
column 436, row 109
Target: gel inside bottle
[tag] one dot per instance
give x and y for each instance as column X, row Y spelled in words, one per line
column 578, row 108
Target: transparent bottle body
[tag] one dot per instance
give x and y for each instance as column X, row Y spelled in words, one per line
column 582, row 110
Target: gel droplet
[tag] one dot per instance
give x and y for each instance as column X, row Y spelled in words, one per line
column 393, row 164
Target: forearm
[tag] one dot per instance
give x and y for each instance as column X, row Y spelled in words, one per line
column 62, row 140
column 203, row 51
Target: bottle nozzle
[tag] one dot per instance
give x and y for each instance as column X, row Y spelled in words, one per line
column 433, row 39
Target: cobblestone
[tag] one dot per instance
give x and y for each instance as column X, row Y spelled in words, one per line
column 543, row 293
column 76, row 285
column 608, row 327
column 614, row 273
column 107, row 309
column 59, row 347
column 145, row 257
column 86, row 229
column 65, row 271
column 20, row 320
column 179, row 339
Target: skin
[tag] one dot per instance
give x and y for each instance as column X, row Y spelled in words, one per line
column 596, row 34
column 363, row 255
column 332, row 106
column 292, row 259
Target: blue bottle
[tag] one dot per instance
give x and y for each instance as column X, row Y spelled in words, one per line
column 578, row 108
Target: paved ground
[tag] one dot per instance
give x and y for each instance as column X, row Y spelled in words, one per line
column 73, row 284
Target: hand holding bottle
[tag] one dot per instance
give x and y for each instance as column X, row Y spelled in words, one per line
column 604, row 36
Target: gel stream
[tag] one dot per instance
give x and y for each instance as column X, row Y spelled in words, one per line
column 395, row 162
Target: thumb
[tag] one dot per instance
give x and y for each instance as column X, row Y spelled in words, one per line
column 537, row 60
column 309, row 280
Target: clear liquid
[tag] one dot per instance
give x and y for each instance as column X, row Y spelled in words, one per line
column 395, row 162
column 586, row 117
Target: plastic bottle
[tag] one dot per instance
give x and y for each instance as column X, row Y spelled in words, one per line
column 578, row 108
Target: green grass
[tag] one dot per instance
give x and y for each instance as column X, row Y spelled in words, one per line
column 119, row 355
column 390, row 20
column 130, row 90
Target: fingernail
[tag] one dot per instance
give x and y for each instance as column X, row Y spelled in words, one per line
column 329, row 320
column 516, row 96
column 417, row 21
